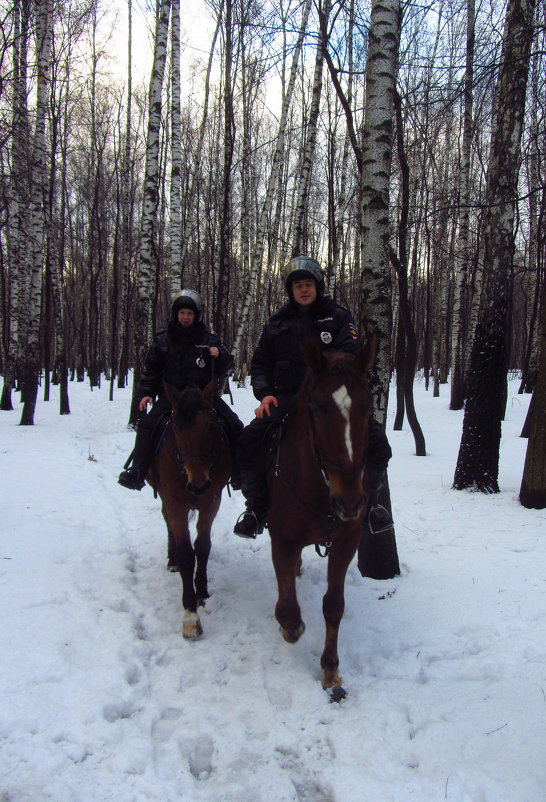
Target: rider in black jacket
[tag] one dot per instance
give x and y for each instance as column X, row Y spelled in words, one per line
column 187, row 353
column 277, row 370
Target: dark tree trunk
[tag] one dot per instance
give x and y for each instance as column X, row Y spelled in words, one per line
column 478, row 460
column 532, row 492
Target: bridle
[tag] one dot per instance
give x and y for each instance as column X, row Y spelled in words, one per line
column 181, row 457
column 324, row 464
column 329, row 520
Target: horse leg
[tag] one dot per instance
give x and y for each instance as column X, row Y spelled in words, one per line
column 286, row 559
column 171, row 552
column 184, row 557
column 202, row 548
column 333, row 606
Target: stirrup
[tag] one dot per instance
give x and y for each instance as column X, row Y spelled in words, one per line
column 379, row 519
column 131, row 479
column 248, row 525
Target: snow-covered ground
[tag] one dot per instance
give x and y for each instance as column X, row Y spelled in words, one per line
column 102, row 699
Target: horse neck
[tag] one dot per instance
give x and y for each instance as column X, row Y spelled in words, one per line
column 299, row 433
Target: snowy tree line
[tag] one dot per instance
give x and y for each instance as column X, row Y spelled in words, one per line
column 362, row 133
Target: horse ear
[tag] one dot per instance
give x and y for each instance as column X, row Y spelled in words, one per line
column 172, row 394
column 314, row 357
column 367, row 354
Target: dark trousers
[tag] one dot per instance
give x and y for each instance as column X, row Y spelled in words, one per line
column 253, row 457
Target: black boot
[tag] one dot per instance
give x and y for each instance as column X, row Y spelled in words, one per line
column 249, row 525
column 133, row 477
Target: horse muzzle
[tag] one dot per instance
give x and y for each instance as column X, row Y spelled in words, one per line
column 347, row 510
column 348, row 500
column 198, row 490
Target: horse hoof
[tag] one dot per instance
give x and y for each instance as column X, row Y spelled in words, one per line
column 293, row 635
column 337, row 693
column 191, row 626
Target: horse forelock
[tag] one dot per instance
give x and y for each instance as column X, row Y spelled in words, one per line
column 339, row 365
column 189, row 404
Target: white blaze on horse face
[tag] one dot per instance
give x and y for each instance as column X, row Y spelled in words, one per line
column 343, row 401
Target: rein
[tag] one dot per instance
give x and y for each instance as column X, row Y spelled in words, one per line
column 330, row 520
column 324, row 463
column 180, row 458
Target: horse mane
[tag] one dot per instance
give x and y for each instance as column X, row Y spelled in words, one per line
column 189, row 404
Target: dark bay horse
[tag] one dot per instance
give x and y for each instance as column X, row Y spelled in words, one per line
column 189, row 473
column 319, row 488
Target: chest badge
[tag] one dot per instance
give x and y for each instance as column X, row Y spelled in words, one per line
column 200, row 362
column 326, row 337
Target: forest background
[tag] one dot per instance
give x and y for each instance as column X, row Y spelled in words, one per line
column 401, row 144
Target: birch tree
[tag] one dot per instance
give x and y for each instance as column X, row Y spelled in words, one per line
column 463, row 255
column 176, row 150
column 18, row 196
column 375, row 308
column 30, row 357
column 147, row 253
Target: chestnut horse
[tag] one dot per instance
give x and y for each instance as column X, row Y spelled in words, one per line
column 319, row 489
column 189, row 472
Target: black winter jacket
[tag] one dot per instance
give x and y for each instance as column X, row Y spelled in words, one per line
column 278, row 364
column 175, row 357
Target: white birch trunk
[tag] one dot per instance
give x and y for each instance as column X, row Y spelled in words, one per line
column 375, row 313
column 30, row 359
column 147, row 252
column 176, row 152
column 463, row 255
column 18, row 194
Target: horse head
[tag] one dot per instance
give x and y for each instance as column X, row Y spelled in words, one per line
column 196, row 434
column 339, row 402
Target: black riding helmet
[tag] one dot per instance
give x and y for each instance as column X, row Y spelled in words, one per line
column 302, row 267
column 187, row 299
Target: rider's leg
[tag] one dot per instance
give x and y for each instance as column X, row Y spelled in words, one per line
column 379, row 454
column 233, row 428
column 134, row 476
column 253, row 484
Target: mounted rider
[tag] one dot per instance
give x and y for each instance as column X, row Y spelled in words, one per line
column 185, row 354
column 277, row 370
